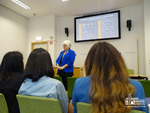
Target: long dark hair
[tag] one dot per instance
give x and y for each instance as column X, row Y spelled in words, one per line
column 39, row 64
column 12, row 63
column 109, row 79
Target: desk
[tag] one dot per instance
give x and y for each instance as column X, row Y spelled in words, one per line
column 78, row 71
column 139, row 77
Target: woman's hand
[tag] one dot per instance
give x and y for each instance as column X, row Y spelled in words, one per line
column 58, row 66
column 61, row 68
column 70, row 107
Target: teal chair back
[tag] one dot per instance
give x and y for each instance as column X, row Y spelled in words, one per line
column 131, row 71
column 146, row 86
column 31, row 104
column 3, row 104
column 58, row 78
column 71, row 81
column 86, row 108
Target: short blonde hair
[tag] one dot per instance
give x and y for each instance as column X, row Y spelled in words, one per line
column 67, row 43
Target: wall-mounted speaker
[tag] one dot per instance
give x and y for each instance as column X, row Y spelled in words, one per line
column 67, row 31
column 129, row 24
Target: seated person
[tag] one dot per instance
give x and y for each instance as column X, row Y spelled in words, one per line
column 39, row 80
column 11, row 78
column 107, row 84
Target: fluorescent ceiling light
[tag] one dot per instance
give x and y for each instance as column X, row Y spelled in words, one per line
column 18, row 2
column 65, row 0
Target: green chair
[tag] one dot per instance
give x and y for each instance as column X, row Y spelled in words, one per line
column 3, row 104
column 31, row 104
column 58, row 78
column 131, row 71
column 71, row 81
column 86, row 108
column 83, row 107
column 146, row 86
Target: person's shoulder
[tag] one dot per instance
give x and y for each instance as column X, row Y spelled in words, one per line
column 16, row 79
column 82, row 80
column 52, row 81
column 72, row 51
column 135, row 83
column 61, row 52
column 55, row 83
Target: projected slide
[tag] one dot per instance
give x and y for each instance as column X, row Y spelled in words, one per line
column 97, row 27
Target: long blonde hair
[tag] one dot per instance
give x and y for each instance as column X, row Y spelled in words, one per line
column 109, row 79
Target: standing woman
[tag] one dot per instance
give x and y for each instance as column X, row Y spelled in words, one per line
column 65, row 62
column 11, row 78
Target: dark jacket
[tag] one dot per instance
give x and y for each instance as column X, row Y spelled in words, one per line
column 9, row 88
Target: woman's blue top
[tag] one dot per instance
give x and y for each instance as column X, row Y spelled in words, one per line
column 68, row 58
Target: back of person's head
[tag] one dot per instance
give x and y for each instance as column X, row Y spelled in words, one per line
column 109, row 79
column 39, row 64
column 12, row 63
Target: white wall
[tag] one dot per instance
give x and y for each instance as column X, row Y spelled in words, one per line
column 126, row 45
column 13, row 32
column 45, row 27
column 147, row 35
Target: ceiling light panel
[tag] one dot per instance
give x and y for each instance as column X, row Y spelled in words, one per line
column 18, row 2
column 65, row 0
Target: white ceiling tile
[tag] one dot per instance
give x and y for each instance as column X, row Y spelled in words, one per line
column 70, row 8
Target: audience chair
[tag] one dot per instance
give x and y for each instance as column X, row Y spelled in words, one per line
column 86, row 108
column 31, row 104
column 131, row 71
column 146, row 86
column 71, row 81
column 3, row 104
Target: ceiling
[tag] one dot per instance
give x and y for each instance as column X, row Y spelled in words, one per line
column 71, row 8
